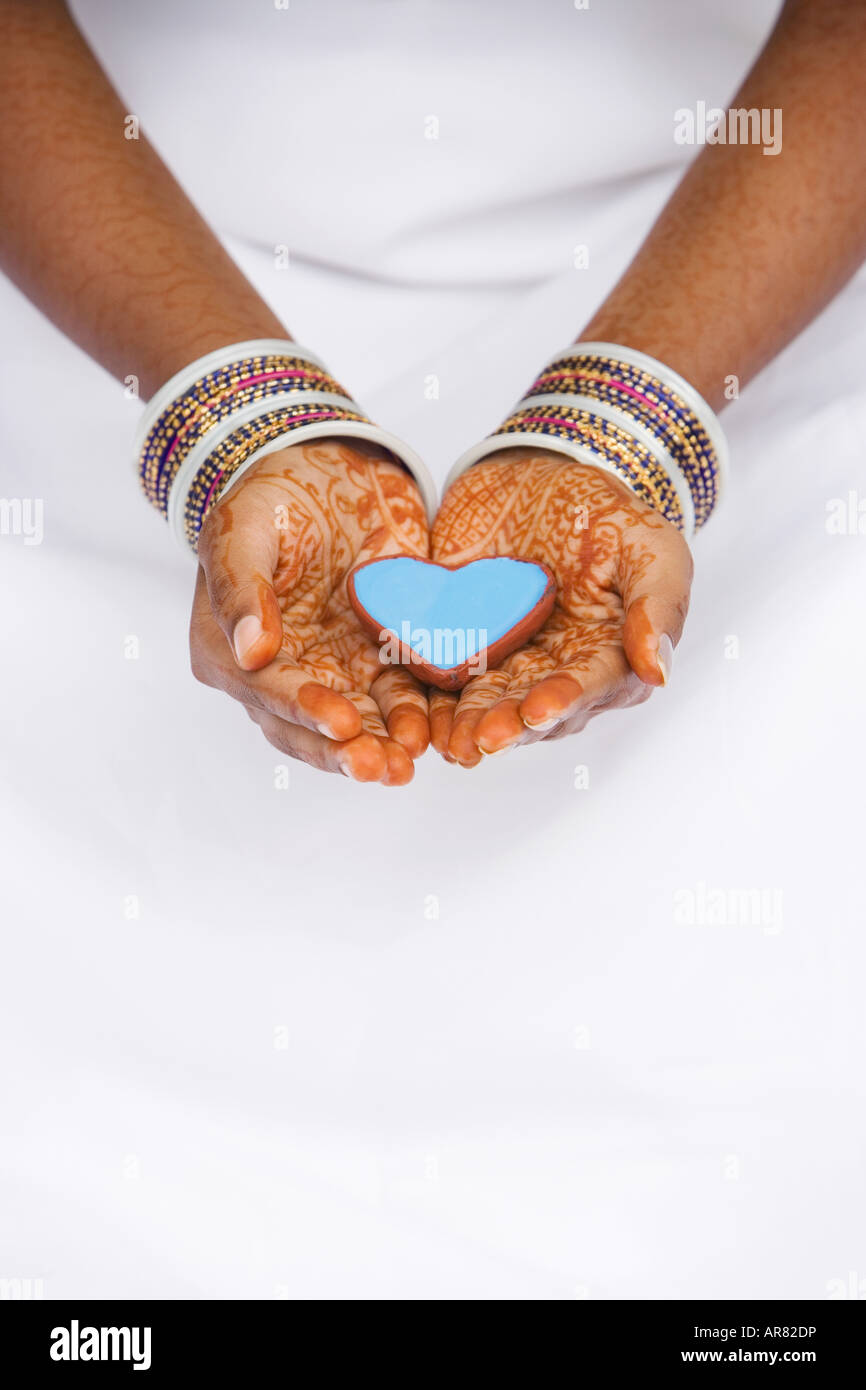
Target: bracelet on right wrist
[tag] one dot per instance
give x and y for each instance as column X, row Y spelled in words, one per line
column 617, row 409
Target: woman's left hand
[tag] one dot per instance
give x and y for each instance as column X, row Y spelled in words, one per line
column 623, row 575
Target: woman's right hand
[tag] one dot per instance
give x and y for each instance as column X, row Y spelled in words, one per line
column 271, row 620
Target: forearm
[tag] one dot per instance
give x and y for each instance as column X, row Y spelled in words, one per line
column 752, row 246
column 94, row 228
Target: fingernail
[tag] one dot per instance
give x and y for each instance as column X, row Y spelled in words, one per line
column 247, row 632
column 495, row 752
column 545, row 724
column 665, row 657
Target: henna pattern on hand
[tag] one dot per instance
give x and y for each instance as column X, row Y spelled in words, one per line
column 607, row 549
column 294, row 527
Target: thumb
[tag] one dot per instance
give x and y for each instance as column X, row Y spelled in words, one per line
column 238, row 552
column 655, row 585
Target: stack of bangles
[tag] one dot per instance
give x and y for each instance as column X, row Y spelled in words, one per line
column 221, row 414
column 610, row 407
column 621, row 411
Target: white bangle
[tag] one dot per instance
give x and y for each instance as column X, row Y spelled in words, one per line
column 621, row 411
column 239, row 400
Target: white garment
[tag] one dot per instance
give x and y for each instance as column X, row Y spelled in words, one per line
column 428, row 141
column 452, row 1040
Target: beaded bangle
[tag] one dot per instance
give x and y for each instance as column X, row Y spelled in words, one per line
column 211, row 422
column 231, row 454
column 606, row 444
column 624, row 412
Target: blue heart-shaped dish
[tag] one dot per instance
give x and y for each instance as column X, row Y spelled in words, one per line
column 449, row 624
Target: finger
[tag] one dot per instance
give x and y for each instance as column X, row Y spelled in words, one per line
column 631, row 691
column 289, row 692
column 655, row 581
column 500, row 727
column 362, row 758
column 442, row 709
column 371, row 716
column 403, row 704
column 476, row 699
column 399, row 768
column 238, row 553
column 282, row 689
column 553, row 699
column 569, row 690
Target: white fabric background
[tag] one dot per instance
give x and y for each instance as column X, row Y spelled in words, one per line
column 283, row 1078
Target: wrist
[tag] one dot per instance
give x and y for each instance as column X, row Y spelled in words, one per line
column 692, row 356
column 203, row 334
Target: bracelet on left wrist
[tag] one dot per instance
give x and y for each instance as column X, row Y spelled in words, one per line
column 616, row 409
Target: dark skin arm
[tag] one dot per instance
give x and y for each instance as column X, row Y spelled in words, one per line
column 752, row 246
column 95, row 230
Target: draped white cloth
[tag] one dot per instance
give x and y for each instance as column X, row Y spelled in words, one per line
column 500, row 1034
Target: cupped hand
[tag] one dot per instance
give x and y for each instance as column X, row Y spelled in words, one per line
column 623, row 575
column 271, row 621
